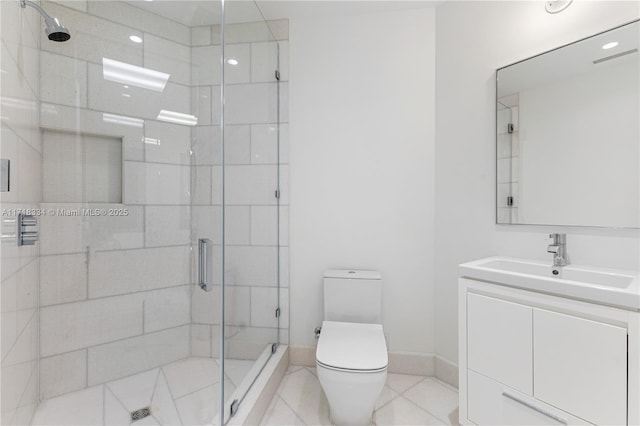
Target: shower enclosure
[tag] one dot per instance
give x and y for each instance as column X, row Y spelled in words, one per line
column 148, row 152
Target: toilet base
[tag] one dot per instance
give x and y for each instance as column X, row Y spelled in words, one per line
column 351, row 396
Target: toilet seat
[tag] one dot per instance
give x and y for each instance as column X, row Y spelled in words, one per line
column 352, row 347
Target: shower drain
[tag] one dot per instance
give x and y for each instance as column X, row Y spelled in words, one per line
column 140, row 414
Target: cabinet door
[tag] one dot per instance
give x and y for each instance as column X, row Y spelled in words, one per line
column 499, row 341
column 581, row 366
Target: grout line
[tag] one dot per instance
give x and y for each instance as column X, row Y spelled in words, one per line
column 173, row 399
column 155, row 386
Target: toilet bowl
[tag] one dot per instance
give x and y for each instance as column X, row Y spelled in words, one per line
column 351, row 361
column 351, row 357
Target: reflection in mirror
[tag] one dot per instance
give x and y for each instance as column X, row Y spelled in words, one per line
column 568, row 134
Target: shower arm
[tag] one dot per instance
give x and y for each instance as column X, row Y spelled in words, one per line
column 41, row 11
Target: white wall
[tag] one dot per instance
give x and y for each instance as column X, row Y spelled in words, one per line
column 362, row 165
column 475, row 38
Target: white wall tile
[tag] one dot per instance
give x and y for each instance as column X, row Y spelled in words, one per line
column 256, row 266
column 142, row 103
column 63, row 279
column 168, row 57
column 150, row 183
column 279, row 28
column 168, row 143
column 205, row 65
column 167, row 308
column 246, row 32
column 264, row 61
column 206, row 306
column 200, row 340
column 237, row 306
column 138, row 18
column 237, row 144
column 201, row 102
column 72, row 326
column 216, row 185
column 64, row 373
column 241, row 72
column 65, row 80
column 14, row 377
column 206, row 222
column 251, row 184
column 201, row 35
column 206, row 146
column 81, row 168
column 237, row 225
column 59, row 117
column 264, row 225
column 93, row 38
column 264, row 143
column 122, row 272
column 19, row 99
column 249, row 342
column 129, row 356
column 167, row 225
column 73, row 234
column 25, row 348
column 201, row 185
column 29, row 179
column 252, row 103
column 284, row 226
column 264, row 301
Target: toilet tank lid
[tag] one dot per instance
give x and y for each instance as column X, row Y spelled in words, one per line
column 352, row 274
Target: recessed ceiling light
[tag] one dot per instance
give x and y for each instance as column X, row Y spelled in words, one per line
column 610, row 45
column 135, row 39
column 232, row 61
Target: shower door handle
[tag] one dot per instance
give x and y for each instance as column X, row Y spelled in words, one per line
column 204, row 264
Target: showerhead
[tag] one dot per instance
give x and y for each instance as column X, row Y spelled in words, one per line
column 55, row 30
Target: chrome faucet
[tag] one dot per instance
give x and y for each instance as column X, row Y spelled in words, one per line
column 559, row 249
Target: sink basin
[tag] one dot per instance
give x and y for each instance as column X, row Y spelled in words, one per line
column 598, row 285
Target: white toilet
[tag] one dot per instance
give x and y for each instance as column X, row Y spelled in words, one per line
column 351, row 356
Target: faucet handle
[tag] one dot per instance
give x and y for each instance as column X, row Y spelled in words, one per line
column 558, row 238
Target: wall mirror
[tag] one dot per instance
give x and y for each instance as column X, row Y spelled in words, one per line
column 568, row 134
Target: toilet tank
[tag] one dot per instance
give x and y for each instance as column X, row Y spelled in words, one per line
column 353, row 296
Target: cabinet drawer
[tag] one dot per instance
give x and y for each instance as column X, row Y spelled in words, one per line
column 492, row 403
column 499, row 341
column 581, row 366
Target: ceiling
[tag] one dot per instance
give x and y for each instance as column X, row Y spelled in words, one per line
column 207, row 12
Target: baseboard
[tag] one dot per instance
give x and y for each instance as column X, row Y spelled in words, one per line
column 302, row 355
column 399, row 362
column 412, row 363
column 446, row 371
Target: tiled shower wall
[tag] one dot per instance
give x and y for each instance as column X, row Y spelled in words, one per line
column 21, row 144
column 251, row 167
column 115, row 290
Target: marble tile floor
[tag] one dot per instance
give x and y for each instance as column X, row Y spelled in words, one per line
column 405, row 400
column 184, row 393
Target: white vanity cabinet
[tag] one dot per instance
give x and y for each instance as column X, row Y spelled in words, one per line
column 528, row 358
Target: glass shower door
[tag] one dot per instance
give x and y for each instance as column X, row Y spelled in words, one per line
column 251, row 198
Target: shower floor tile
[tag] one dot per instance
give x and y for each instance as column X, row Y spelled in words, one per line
column 184, row 392
column 404, row 400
